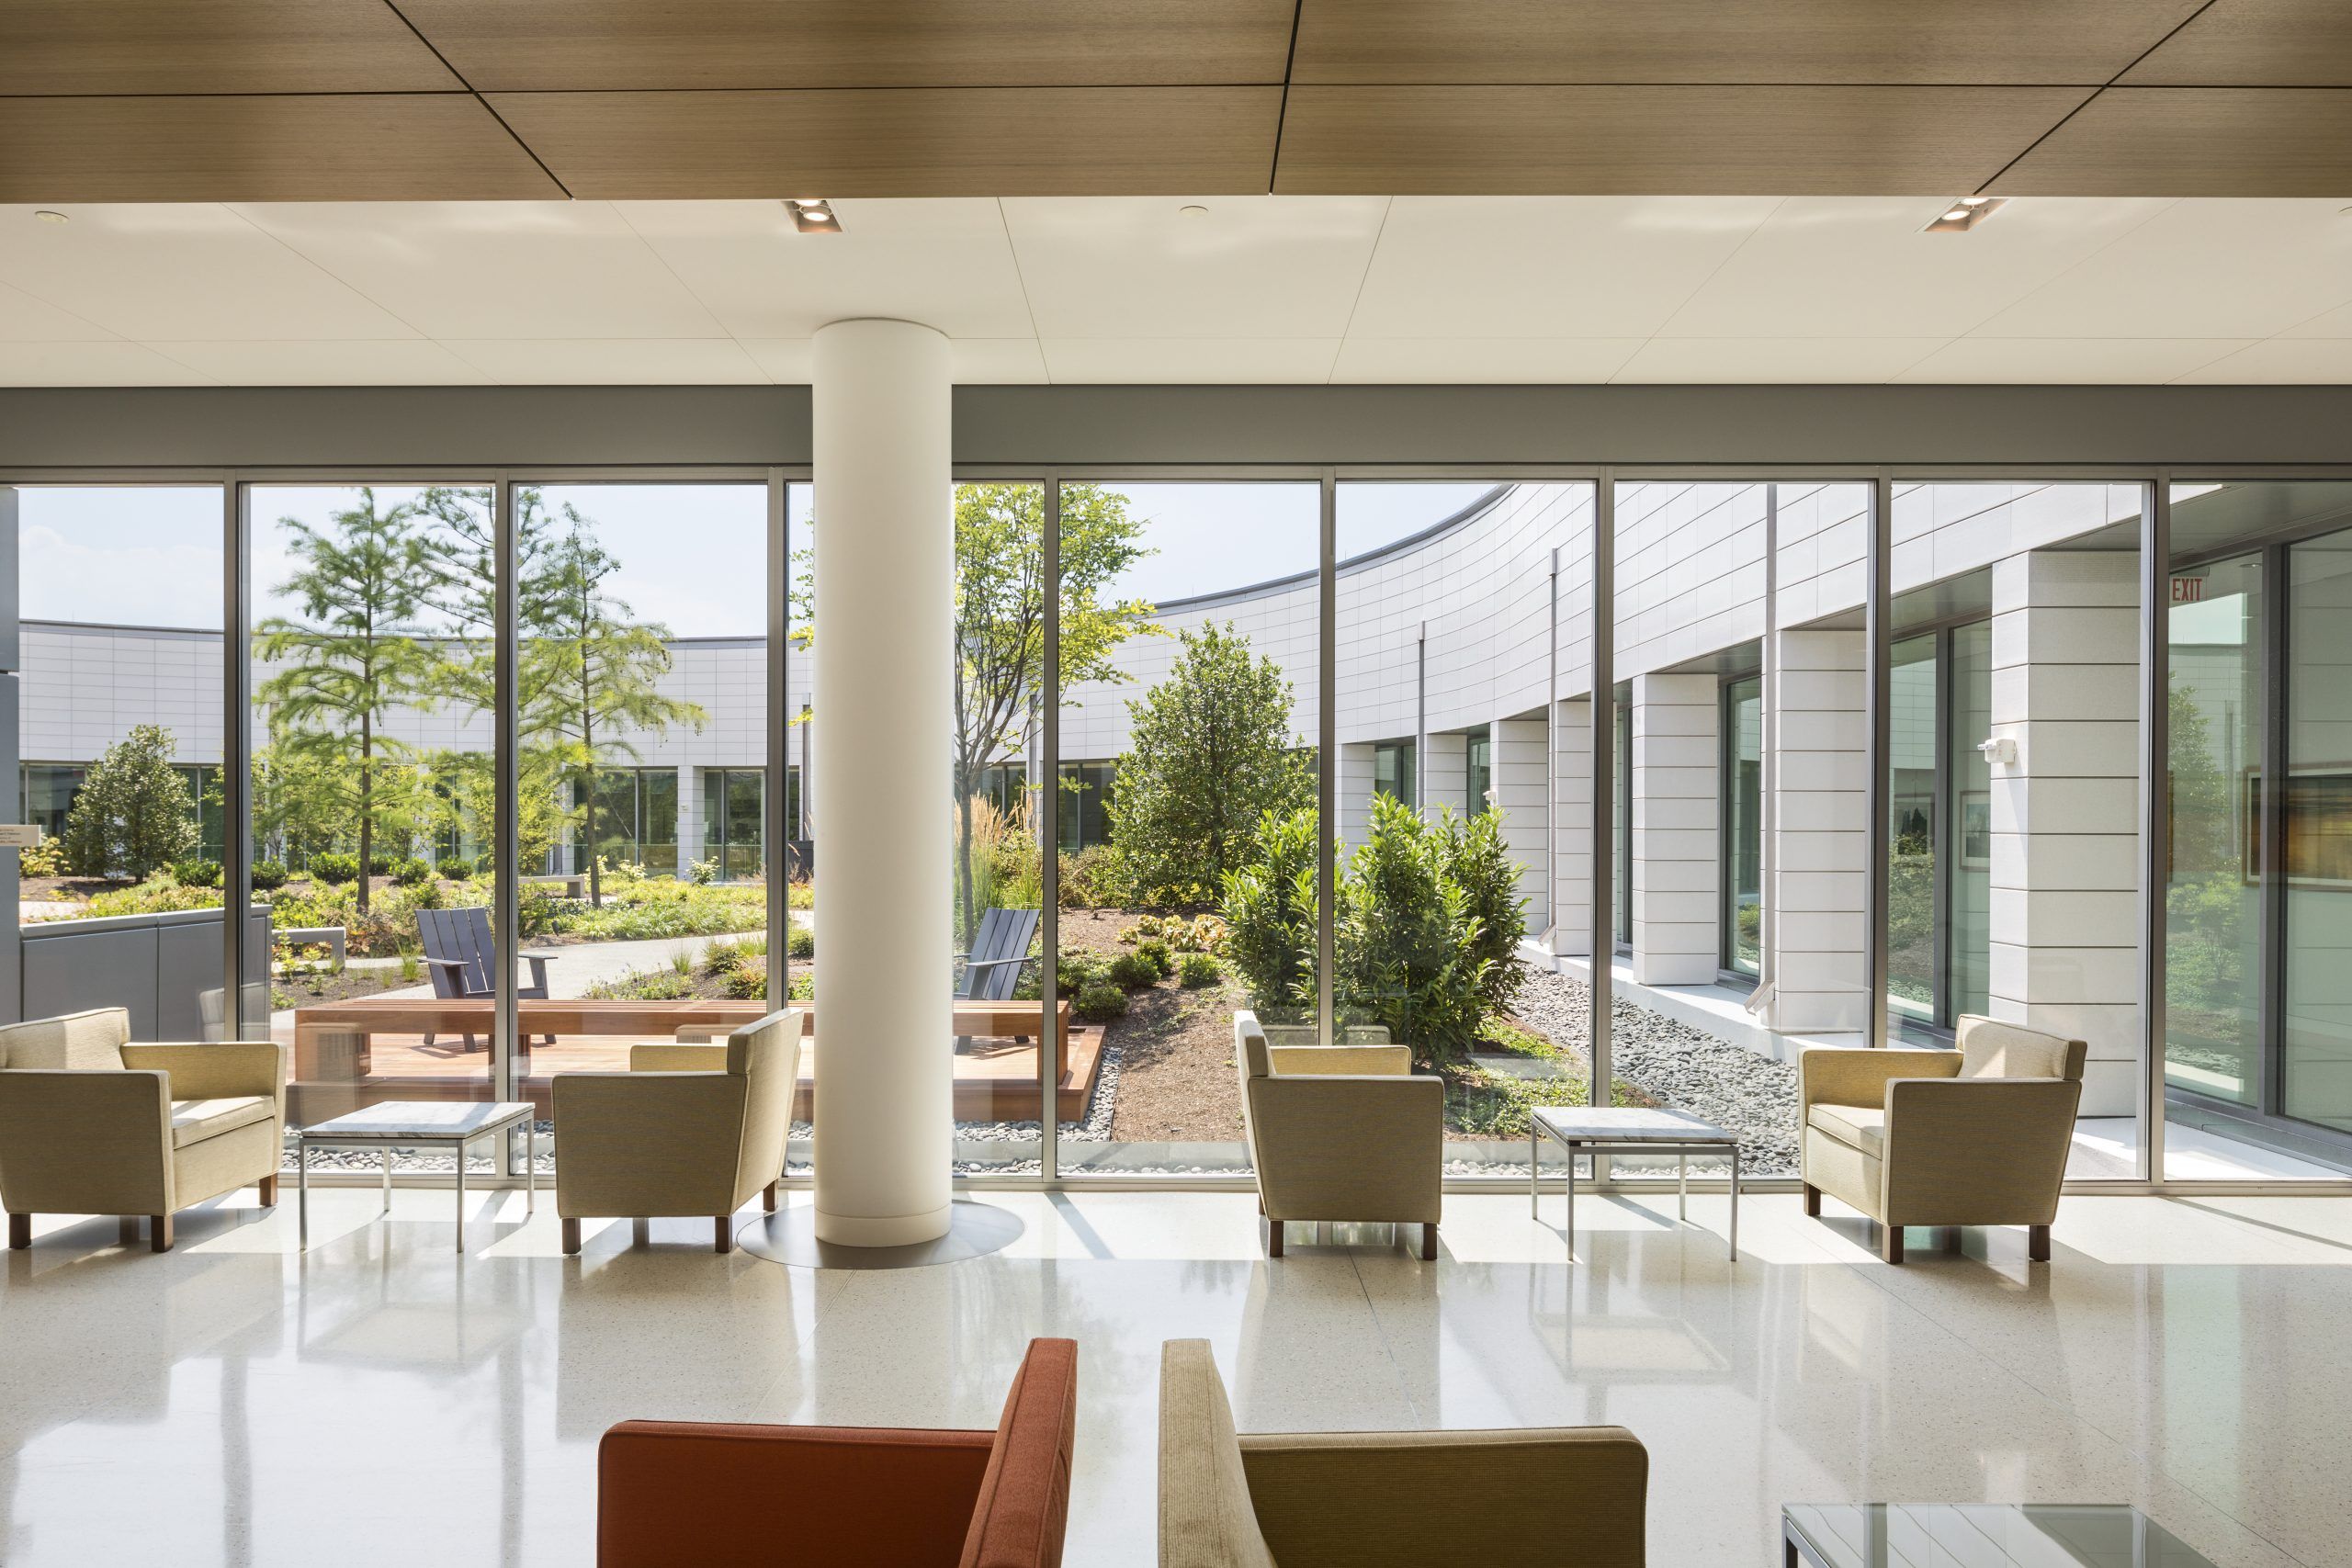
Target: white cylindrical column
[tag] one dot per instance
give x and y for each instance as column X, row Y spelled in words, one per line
column 885, row 593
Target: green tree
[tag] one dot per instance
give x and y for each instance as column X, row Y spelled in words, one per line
column 999, row 626
column 356, row 655
column 1209, row 755
column 133, row 812
column 592, row 675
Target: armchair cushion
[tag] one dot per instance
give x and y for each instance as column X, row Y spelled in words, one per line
column 83, row 1042
column 1207, row 1520
column 1990, row 1049
column 1862, row 1127
column 1366, row 1061
column 193, row 1120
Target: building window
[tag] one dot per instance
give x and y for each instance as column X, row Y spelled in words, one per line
column 1621, row 810
column 636, row 821
column 1478, row 771
column 1392, row 772
column 733, row 801
column 1085, row 805
column 1743, row 832
column 48, row 790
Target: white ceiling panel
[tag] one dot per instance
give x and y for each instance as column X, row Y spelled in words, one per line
column 1861, row 266
column 1769, row 359
column 1546, row 266
column 1240, row 267
column 504, row 269
column 113, row 364
column 613, row 361
column 181, row 271
column 399, row 362
column 946, row 263
column 2060, row 361
column 1194, row 360
column 24, row 318
column 2309, row 361
column 2201, row 268
column 1481, row 361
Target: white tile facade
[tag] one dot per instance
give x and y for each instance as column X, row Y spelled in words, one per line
column 1676, row 867
column 1814, row 928
column 2065, row 816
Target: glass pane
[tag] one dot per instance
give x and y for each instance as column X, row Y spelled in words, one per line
column 1967, row 845
column 1912, row 832
column 2316, row 1016
column 998, row 887
column 2214, row 896
column 117, row 756
column 1188, row 636
column 643, row 680
column 1743, row 827
column 372, row 685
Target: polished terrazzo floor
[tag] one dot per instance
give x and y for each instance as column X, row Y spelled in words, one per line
column 379, row 1399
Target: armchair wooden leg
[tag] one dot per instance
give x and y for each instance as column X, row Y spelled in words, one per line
column 159, row 1233
column 2037, row 1243
column 1812, row 1200
column 21, row 1232
column 1273, row 1237
column 767, row 1198
column 1891, row 1242
column 571, row 1239
column 1429, row 1243
column 722, row 1239
column 126, row 1230
column 269, row 1192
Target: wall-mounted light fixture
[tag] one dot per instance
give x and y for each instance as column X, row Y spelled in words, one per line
column 2001, row 751
column 1964, row 214
column 812, row 216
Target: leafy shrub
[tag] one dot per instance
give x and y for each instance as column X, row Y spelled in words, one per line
column 800, row 895
column 1132, row 971
column 380, row 866
column 334, row 869
column 196, row 872
column 1156, row 953
column 1100, row 1002
column 157, row 896
column 722, row 958
column 1089, row 879
column 653, row 910
column 411, row 871
column 44, row 859
column 1078, row 968
column 803, row 989
column 1199, row 969
column 1200, row 933
column 702, row 873
column 130, row 816
column 457, row 868
column 1478, row 860
column 749, row 982
column 800, row 942
column 1269, row 916
column 268, row 876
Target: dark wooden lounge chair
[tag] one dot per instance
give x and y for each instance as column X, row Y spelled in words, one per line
column 464, row 963
column 999, row 948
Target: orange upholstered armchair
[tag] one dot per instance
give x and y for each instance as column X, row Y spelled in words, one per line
column 729, row 1496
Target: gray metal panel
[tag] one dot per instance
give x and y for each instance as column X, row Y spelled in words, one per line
column 11, row 653
column 111, row 967
column 188, row 963
column 1758, row 426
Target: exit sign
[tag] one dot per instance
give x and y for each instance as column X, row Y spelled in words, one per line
column 2188, row 590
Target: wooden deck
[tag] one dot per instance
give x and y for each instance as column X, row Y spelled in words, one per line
column 353, row 1054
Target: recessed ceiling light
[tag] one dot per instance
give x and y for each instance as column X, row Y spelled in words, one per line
column 1195, row 210
column 46, row 216
column 813, row 214
column 1964, row 214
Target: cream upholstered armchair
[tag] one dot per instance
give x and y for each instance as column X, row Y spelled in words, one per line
column 688, row 1130
column 93, row 1125
column 1976, row 1136
column 1370, row 1499
column 1341, row 1133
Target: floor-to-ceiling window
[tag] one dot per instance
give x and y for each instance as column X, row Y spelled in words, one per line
column 1966, row 851
column 116, row 625
column 2256, row 946
column 1392, row 772
column 1914, row 831
column 1189, row 678
column 1743, row 826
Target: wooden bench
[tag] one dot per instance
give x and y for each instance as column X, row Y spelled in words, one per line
column 333, row 1050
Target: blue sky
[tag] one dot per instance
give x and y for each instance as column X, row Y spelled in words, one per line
column 691, row 555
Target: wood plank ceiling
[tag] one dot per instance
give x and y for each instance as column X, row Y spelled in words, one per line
column 165, row 100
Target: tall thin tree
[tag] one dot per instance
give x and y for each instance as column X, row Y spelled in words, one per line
column 353, row 656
